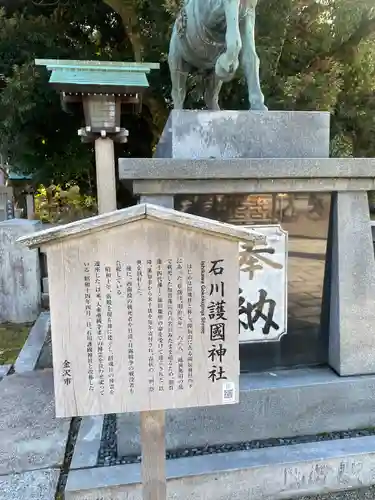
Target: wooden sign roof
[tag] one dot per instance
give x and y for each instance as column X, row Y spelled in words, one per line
column 138, row 212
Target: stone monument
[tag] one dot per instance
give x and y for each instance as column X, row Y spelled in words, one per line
column 215, row 37
column 20, row 292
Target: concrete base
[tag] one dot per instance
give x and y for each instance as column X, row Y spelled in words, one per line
column 272, row 473
column 272, row 405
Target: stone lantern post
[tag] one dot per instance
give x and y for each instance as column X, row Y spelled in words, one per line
column 103, row 89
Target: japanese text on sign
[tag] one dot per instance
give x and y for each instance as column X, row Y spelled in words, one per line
column 217, row 321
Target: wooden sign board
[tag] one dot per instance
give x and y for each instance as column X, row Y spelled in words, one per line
column 144, row 312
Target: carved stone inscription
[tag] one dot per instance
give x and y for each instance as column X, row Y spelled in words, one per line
column 262, row 297
column 152, row 322
column 305, row 478
column 342, row 472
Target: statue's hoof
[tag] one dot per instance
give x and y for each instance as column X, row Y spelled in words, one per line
column 224, row 75
column 224, row 70
column 259, row 107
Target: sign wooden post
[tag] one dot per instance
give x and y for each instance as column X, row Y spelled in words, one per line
column 144, row 318
column 153, row 450
column 153, row 455
column 105, row 175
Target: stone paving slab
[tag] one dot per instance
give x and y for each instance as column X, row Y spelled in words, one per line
column 4, row 370
column 88, row 442
column 29, row 355
column 32, row 485
column 30, row 435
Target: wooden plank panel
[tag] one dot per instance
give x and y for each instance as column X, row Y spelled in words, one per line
column 144, row 318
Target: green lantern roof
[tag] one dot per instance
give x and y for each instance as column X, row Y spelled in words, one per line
column 16, row 174
column 97, row 76
column 13, row 176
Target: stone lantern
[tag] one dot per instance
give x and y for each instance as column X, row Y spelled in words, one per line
column 104, row 89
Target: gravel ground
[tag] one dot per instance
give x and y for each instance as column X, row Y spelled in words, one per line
column 108, row 448
column 362, row 494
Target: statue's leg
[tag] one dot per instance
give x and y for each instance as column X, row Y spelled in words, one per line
column 250, row 62
column 179, row 80
column 227, row 63
column 179, row 70
column 213, row 86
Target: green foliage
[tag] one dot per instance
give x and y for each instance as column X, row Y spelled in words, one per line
column 315, row 55
column 35, row 133
column 12, row 339
column 60, row 206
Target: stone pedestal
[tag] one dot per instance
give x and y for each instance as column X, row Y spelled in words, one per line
column 20, row 287
column 230, row 135
column 234, row 153
column 245, row 134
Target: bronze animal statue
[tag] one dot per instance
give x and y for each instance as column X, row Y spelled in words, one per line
column 214, row 37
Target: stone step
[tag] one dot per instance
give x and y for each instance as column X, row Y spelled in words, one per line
column 285, row 403
column 32, row 440
column 281, row 472
column 361, row 494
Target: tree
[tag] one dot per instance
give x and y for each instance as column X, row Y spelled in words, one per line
column 30, row 109
column 322, row 59
column 34, row 131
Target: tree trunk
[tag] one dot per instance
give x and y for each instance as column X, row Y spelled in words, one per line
column 129, row 16
column 127, row 10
